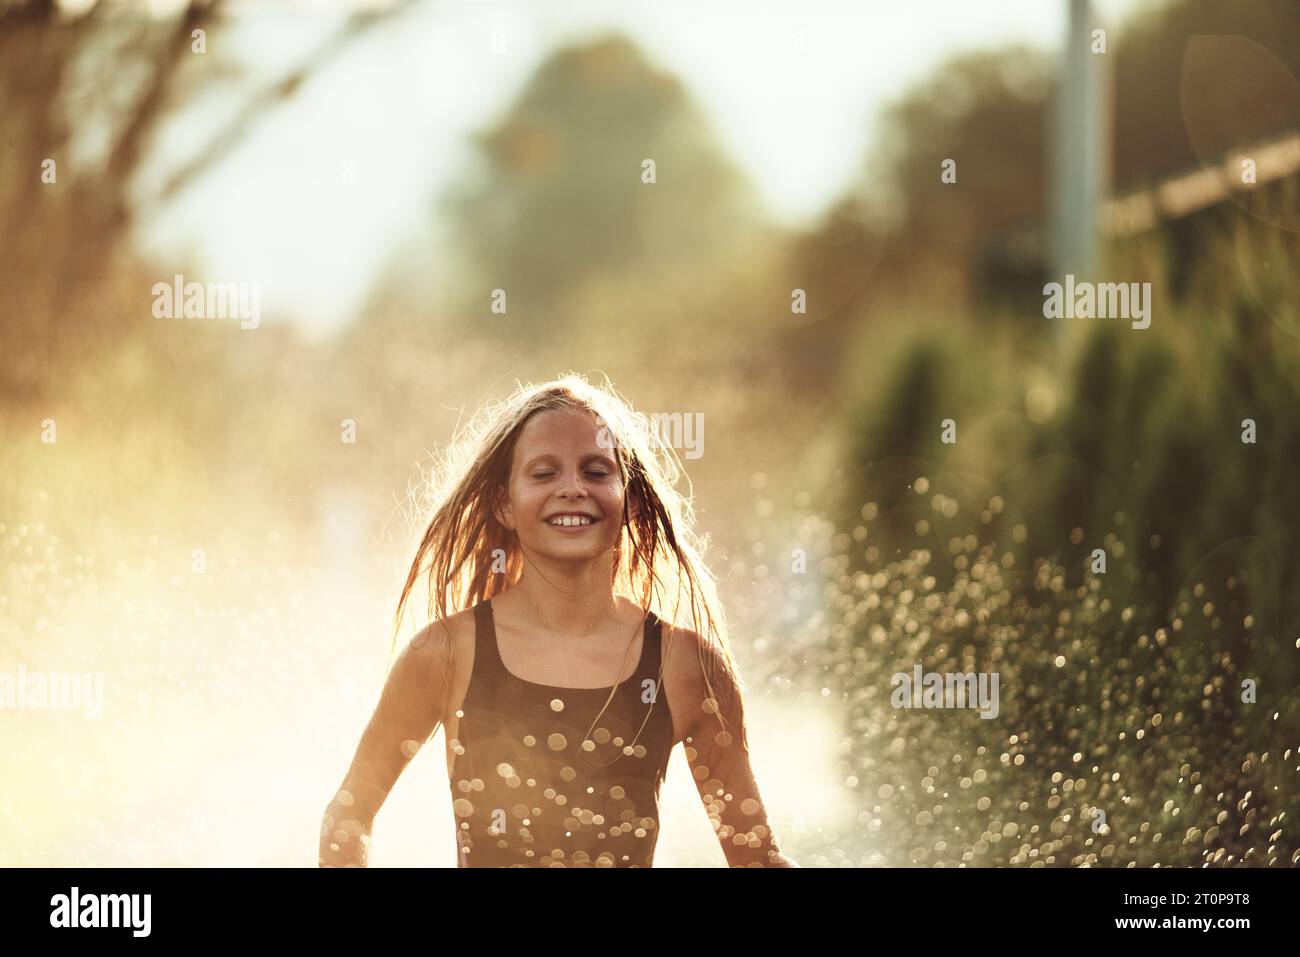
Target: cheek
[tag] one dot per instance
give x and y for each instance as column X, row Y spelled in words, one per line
column 526, row 501
column 611, row 500
column 531, row 502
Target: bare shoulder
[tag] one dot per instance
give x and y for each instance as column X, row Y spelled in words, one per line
column 438, row 651
column 437, row 636
column 697, row 679
column 687, row 655
column 681, row 653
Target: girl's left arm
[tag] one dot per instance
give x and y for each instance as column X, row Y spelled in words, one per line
column 719, row 762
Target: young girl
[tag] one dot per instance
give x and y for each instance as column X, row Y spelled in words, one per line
column 557, row 543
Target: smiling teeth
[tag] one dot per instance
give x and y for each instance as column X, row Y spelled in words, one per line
column 570, row 520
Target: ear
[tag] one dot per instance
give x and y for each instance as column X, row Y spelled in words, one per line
column 504, row 511
column 633, row 501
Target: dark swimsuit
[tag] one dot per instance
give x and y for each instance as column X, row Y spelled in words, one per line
column 529, row 789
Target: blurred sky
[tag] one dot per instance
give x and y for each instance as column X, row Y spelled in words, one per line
column 792, row 88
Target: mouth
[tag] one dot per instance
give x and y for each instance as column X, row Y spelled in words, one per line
column 571, row 521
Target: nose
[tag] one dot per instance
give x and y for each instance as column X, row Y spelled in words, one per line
column 572, row 486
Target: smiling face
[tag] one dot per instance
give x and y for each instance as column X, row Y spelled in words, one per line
column 565, row 495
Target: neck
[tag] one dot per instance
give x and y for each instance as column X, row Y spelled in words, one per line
column 566, row 599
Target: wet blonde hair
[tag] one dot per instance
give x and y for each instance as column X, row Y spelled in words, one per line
column 468, row 556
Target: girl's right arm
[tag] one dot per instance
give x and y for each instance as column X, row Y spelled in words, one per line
column 410, row 709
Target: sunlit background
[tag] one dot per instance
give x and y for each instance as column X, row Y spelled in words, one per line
column 183, row 512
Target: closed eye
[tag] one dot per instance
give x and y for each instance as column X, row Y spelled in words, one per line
column 594, row 473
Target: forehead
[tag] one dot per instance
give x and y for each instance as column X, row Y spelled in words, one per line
column 559, row 430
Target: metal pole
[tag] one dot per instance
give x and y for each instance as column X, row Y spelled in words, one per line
column 1082, row 150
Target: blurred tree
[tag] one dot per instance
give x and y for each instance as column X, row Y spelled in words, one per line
column 61, row 236
column 986, row 111
column 559, row 203
column 68, row 260
column 1152, row 122
column 1181, row 93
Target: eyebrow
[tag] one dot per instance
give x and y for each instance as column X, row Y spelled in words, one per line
column 586, row 458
